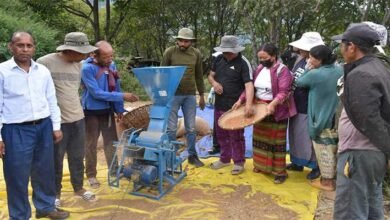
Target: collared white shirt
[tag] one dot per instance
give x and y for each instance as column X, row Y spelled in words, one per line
column 27, row 96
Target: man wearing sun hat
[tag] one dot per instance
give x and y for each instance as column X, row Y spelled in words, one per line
column 364, row 126
column 301, row 147
column 65, row 68
column 230, row 75
column 184, row 54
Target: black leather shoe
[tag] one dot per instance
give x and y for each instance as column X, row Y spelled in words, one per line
column 294, row 167
column 314, row 174
column 214, row 151
column 55, row 214
column 194, row 160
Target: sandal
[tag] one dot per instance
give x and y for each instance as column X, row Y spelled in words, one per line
column 86, row 195
column 280, row 179
column 218, row 165
column 94, row 183
column 237, row 169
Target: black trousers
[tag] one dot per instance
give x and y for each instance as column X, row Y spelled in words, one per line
column 73, row 144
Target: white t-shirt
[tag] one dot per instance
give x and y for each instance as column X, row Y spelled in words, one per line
column 263, row 85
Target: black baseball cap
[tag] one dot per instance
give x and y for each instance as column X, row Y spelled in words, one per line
column 360, row 34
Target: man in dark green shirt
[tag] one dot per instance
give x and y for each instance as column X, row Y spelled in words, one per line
column 183, row 54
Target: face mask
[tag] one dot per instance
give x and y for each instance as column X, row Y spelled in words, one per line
column 266, row 63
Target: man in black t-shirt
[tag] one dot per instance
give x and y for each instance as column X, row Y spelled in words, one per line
column 230, row 76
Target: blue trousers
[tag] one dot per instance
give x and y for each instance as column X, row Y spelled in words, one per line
column 29, row 153
column 188, row 107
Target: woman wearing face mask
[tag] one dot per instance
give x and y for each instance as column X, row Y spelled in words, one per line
column 321, row 80
column 272, row 81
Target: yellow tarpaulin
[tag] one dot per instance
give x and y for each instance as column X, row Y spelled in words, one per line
column 203, row 194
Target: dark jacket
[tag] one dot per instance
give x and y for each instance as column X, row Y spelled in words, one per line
column 366, row 99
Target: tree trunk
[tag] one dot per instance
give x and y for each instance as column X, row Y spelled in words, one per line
column 108, row 20
column 96, row 27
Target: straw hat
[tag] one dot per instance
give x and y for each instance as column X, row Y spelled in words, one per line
column 308, row 41
column 77, row 41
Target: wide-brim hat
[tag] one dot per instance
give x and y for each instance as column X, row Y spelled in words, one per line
column 77, row 41
column 186, row 34
column 229, row 43
column 308, row 41
column 235, row 119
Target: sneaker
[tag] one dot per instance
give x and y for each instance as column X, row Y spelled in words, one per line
column 55, row 214
column 294, row 167
column 314, row 174
column 194, row 160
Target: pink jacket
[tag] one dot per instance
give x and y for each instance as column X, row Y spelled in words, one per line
column 281, row 86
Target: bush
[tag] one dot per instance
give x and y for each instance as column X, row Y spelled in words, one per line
column 9, row 23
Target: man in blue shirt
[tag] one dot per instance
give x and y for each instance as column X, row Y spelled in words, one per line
column 28, row 113
column 101, row 98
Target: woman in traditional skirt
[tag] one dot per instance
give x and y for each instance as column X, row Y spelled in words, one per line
column 321, row 80
column 272, row 81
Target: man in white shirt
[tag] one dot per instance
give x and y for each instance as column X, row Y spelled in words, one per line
column 28, row 113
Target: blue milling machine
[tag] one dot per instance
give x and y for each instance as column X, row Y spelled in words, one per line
column 147, row 157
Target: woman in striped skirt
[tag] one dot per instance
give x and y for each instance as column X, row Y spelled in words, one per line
column 272, row 81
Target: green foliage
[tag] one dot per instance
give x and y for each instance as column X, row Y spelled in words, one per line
column 44, row 36
column 129, row 82
column 52, row 13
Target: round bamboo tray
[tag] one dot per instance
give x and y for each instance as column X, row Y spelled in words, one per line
column 235, row 119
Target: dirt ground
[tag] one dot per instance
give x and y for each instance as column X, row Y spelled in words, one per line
column 227, row 206
column 325, row 204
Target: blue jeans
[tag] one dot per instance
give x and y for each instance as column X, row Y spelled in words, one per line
column 188, row 107
column 29, row 153
column 359, row 185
